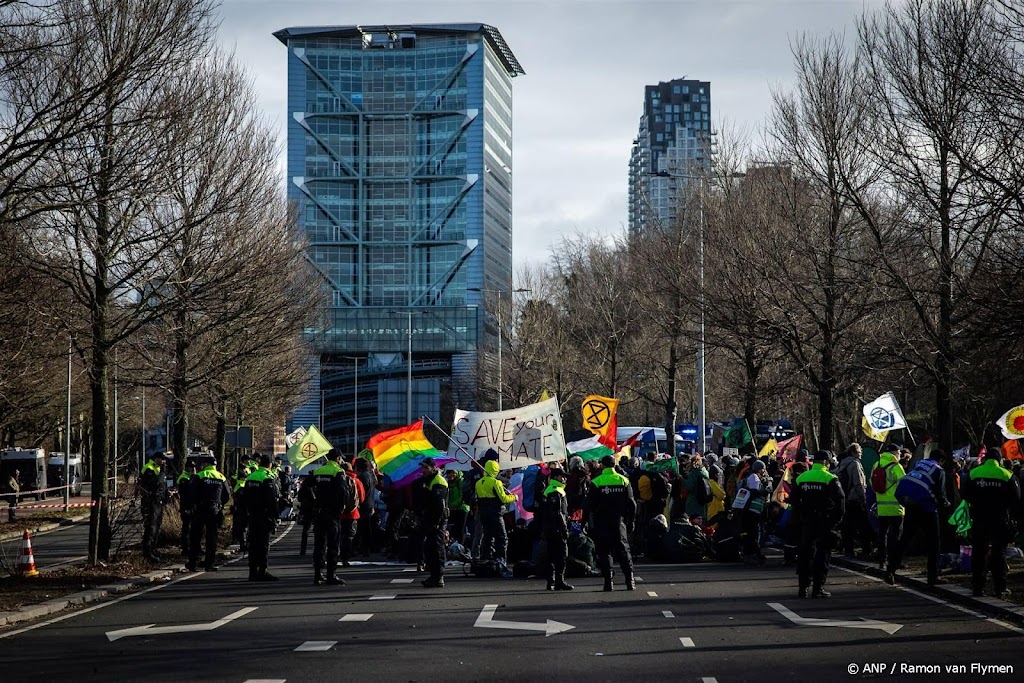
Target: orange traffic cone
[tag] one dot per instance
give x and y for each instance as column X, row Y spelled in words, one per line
column 26, row 562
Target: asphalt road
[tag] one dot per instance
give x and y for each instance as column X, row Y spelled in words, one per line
column 695, row 622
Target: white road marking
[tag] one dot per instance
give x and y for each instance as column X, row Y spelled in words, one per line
column 940, row 601
column 101, row 605
column 652, row 594
column 708, row 679
column 265, row 680
column 356, row 617
column 383, row 596
column 402, row 580
column 487, row 620
column 687, row 642
column 316, row 646
column 668, row 615
column 154, row 630
column 410, row 569
column 637, row 578
column 841, row 623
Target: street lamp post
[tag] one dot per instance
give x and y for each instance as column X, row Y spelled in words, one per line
column 67, row 438
column 701, row 414
column 408, row 380
column 501, row 333
column 355, row 404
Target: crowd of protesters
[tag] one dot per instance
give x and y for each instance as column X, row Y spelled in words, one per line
column 682, row 509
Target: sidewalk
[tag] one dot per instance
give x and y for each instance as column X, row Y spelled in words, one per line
column 959, row 595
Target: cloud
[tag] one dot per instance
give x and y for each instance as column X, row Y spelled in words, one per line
column 577, row 109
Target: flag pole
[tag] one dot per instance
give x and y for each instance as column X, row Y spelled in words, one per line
column 448, row 436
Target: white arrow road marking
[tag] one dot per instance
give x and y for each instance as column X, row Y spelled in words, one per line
column 154, row 630
column 356, row 617
column 316, row 646
column 486, row 620
column 863, row 623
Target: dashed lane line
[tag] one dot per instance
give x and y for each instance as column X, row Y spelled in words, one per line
column 687, row 642
column 652, row 594
column 316, row 646
column 383, row 596
column 356, row 617
column 668, row 615
column 709, row 679
column 400, row 581
column 265, row 680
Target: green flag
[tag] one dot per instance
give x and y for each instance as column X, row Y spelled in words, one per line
column 311, row 446
column 663, row 465
column 738, row 435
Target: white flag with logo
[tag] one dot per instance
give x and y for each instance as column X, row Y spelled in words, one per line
column 884, row 414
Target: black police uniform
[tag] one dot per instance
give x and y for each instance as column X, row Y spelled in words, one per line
column 612, row 511
column 818, row 505
column 993, row 494
column 329, row 486
column 261, row 508
column 153, row 483
column 210, row 493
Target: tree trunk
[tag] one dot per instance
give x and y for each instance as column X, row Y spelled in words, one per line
column 219, row 438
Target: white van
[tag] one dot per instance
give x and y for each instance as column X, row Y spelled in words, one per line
column 55, row 471
column 30, row 463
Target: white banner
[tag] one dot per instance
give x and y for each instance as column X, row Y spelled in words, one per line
column 884, row 413
column 522, row 436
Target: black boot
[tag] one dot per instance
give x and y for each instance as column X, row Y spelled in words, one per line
column 630, row 581
column 333, row 580
column 802, row 593
column 608, row 583
column 560, row 584
column 318, row 578
column 819, row 592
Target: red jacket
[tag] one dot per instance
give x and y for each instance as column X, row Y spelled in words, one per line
column 360, row 495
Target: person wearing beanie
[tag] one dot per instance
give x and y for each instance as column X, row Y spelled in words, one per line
column 994, row 496
column 818, row 506
column 491, row 497
column 612, row 514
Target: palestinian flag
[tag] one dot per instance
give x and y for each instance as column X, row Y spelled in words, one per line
column 589, row 449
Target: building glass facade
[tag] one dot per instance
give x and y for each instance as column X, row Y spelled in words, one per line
column 400, row 165
column 674, row 139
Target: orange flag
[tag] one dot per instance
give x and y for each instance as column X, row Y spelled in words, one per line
column 1011, row 450
column 600, row 416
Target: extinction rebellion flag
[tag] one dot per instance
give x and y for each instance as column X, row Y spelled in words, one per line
column 884, row 414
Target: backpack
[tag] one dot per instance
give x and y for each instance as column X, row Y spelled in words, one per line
column 660, row 488
column 878, row 478
column 535, row 480
column 703, row 491
column 348, row 494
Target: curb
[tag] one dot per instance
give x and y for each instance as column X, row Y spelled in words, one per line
column 14, row 535
column 92, row 595
column 957, row 594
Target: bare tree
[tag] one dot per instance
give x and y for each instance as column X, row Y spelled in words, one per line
column 94, row 230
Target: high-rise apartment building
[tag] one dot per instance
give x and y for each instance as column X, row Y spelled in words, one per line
column 400, row 166
column 674, row 142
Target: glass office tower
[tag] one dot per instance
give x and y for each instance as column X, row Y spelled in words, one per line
column 400, row 166
column 674, row 139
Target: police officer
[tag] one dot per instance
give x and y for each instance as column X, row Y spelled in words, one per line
column 239, row 519
column 818, row 505
column 612, row 511
column 555, row 520
column 261, row 509
column 185, row 503
column 209, row 493
column 491, row 497
column 994, row 496
column 153, row 484
column 330, row 486
column 435, row 520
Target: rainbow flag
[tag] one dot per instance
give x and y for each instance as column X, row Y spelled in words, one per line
column 399, row 452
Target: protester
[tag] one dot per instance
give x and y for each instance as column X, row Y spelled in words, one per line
column 491, row 498
column 367, row 524
column 350, row 518
column 922, row 492
column 856, row 527
column 885, row 476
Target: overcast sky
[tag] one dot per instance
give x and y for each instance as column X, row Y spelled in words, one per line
column 577, row 109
